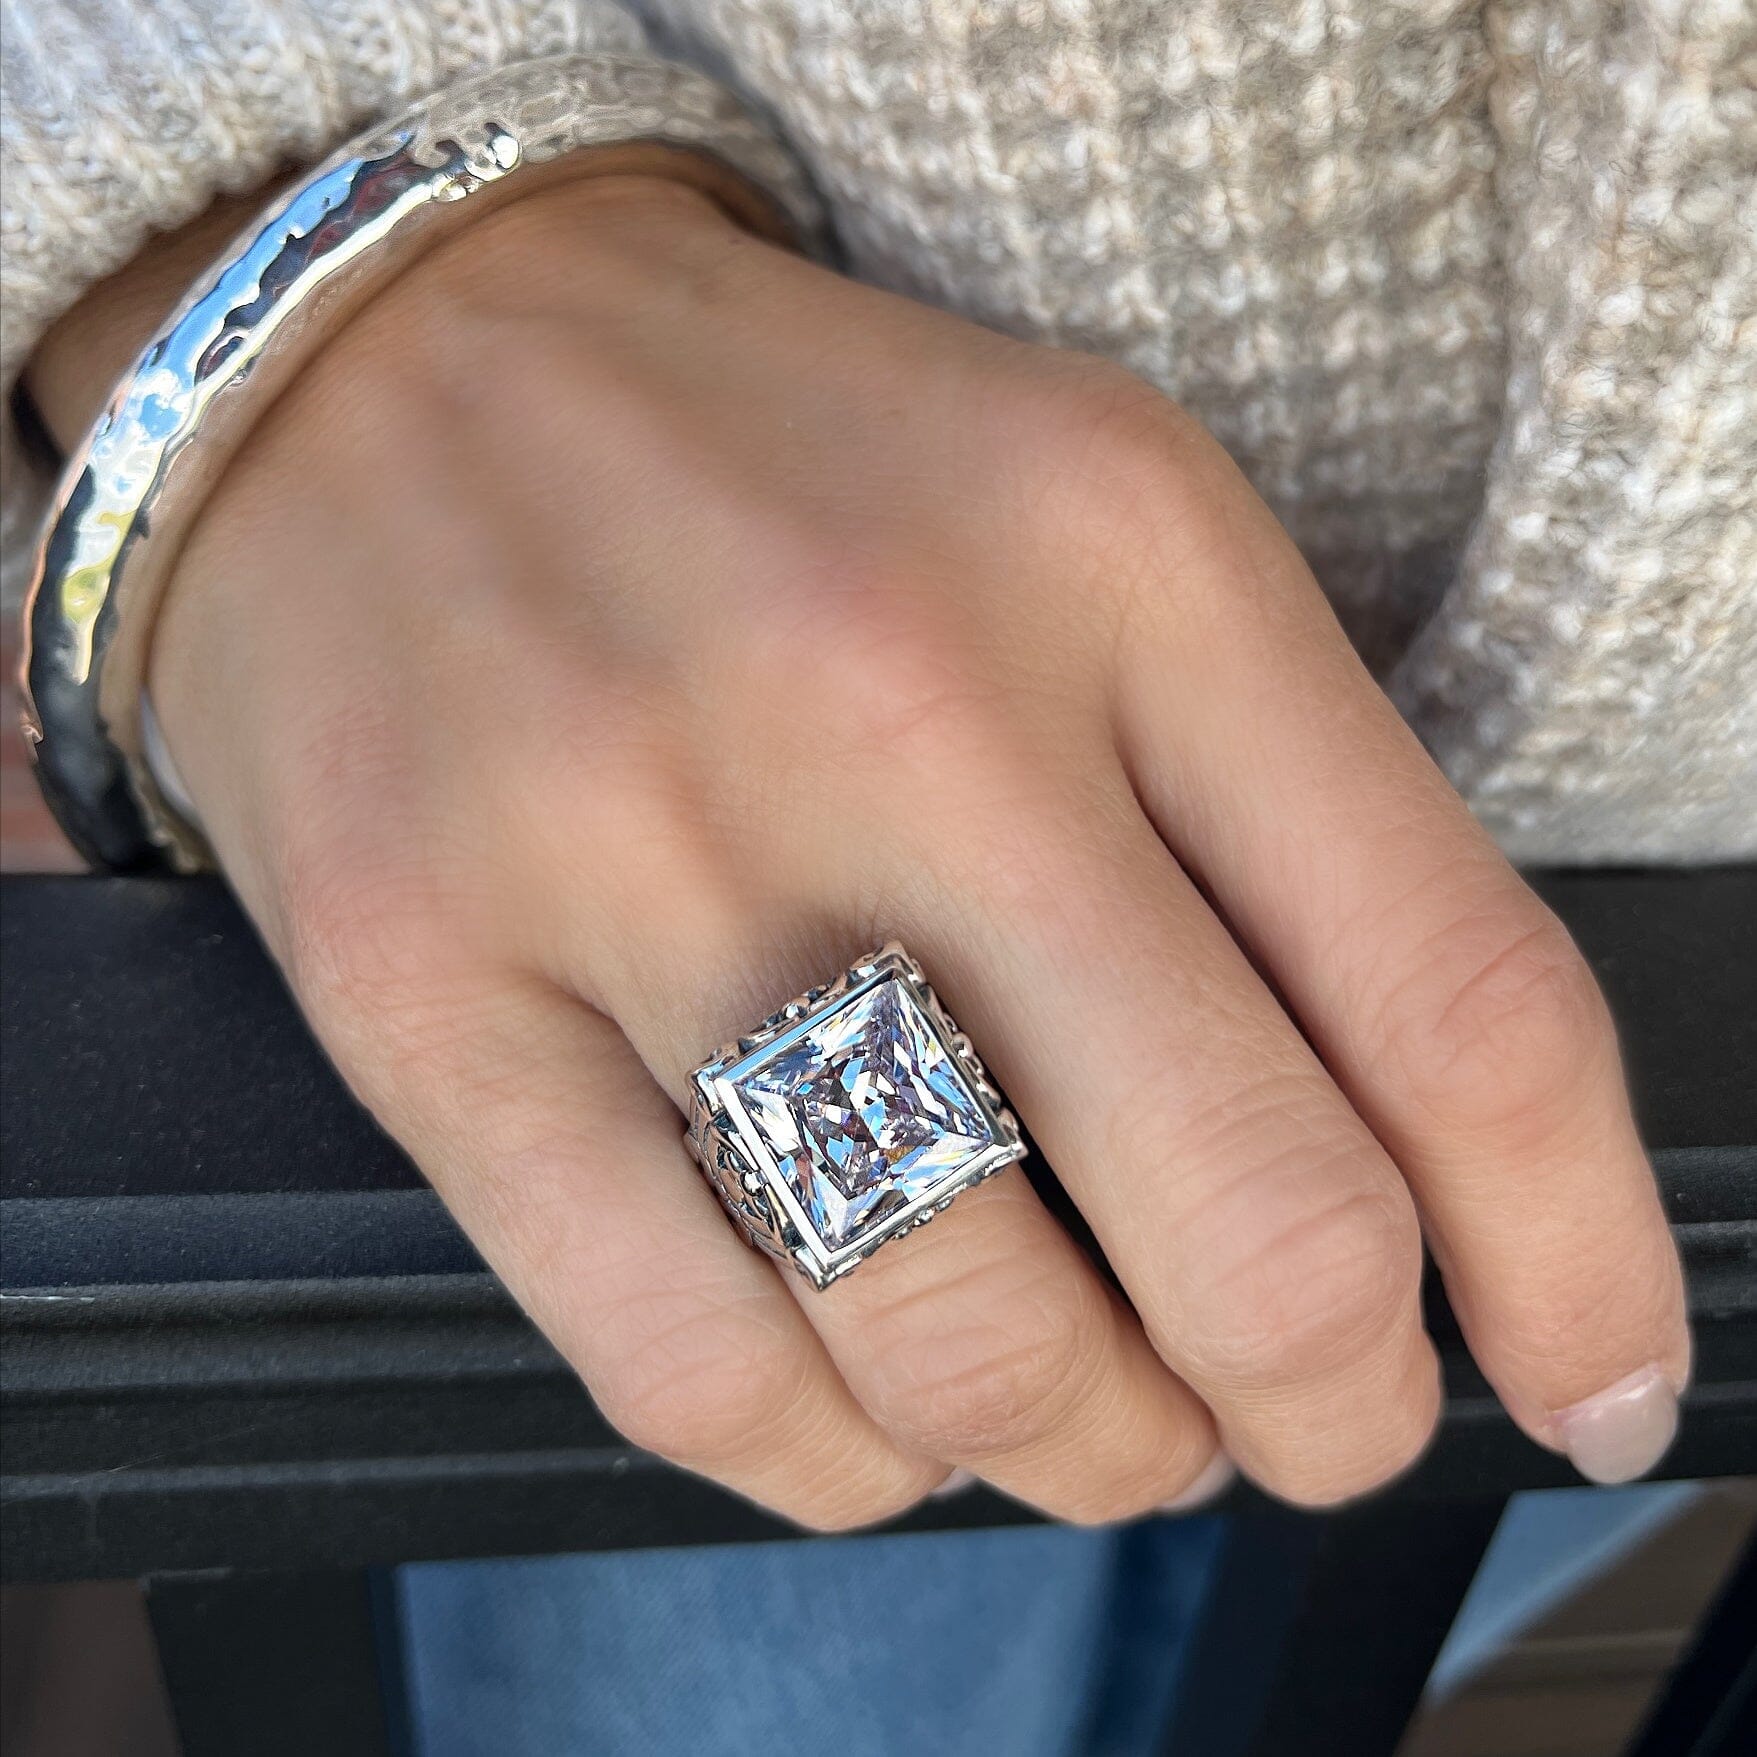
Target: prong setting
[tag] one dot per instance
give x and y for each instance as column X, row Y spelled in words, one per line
column 912, row 1120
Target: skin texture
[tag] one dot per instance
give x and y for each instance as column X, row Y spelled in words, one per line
column 623, row 623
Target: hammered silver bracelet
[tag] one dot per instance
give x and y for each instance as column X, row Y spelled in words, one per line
column 131, row 494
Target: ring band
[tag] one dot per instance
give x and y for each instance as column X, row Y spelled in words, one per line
column 854, row 1114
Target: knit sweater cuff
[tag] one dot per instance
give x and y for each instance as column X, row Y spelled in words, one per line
column 122, row 118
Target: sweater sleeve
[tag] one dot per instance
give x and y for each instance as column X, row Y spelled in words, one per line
column 121, row 118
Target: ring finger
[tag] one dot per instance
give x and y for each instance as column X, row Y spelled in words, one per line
column 1266, row 1239
column 989, row 1342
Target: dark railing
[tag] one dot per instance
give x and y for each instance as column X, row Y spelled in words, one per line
column 248, row 1356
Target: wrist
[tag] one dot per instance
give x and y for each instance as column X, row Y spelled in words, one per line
column 589, row 246
column 85, row 351
column 403, row 372
column 228, row 364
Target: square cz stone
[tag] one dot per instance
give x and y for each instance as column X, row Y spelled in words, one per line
column 863, row 1111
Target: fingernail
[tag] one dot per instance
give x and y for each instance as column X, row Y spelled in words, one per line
column 1216, row 1478
column 955, row 1484
column 1622, row 1432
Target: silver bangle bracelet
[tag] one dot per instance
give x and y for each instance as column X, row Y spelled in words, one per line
column 132, row 493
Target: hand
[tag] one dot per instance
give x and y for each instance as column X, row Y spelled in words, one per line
column 625, row 623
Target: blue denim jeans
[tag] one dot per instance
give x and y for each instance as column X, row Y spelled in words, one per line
column 1032, row 1642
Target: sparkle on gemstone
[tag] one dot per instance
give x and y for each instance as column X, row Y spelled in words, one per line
column 864, row 1111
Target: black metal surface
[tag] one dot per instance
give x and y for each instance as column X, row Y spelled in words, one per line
column 1321, row 1631
column 277, row 1665
column 150, row 1049
column 241, row 1334
column 1708, row 1707
column 323, row 1423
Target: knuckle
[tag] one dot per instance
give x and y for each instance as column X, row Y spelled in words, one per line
column 992, row 1388
column 704, row 1386
column 1308, row 1288
column 1100, row 414
column 363, row 888
column 1001, row 1404
column 363, row 932
column 1296, row 1249
column 1103, row 449
column 1219, row 1153
column 1504, row 1029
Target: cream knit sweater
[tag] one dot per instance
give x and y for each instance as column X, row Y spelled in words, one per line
column 1469, row 289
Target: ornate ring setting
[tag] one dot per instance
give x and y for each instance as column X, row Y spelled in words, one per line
column 854, row 1114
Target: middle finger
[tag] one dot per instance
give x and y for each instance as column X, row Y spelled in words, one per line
column 1264, row 1235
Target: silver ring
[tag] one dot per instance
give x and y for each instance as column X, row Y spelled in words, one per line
column 854, row 1114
